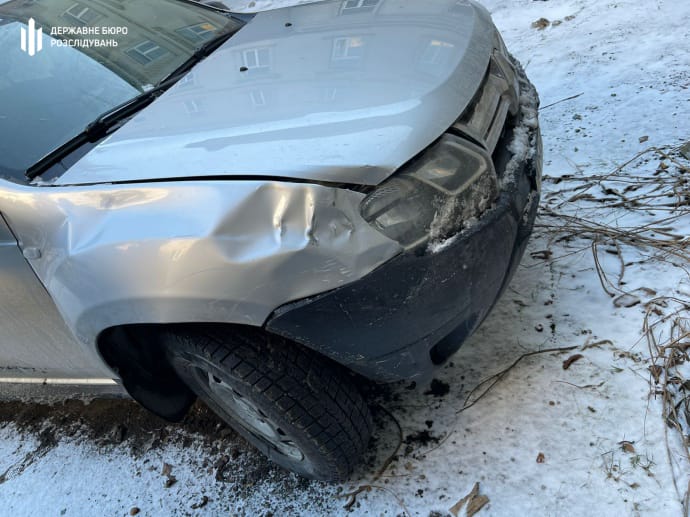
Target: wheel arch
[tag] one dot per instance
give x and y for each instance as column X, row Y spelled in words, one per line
column 136, row 352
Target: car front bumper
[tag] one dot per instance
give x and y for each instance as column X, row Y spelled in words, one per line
column 413, row 312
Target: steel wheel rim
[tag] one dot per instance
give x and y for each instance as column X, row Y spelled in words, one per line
column 249, row 415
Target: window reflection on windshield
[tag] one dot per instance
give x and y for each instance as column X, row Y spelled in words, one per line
column 50, row 96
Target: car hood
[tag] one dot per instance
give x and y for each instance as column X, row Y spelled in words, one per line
column 338, row 91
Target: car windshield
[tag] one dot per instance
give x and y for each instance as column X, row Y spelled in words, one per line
column 64, row 63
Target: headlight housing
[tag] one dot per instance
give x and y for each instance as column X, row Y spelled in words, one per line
column 448, row 185
column 484, row 120
column 454, row 181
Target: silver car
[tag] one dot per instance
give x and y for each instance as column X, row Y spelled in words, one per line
column 259, row 211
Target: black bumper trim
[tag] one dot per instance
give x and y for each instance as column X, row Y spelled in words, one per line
column 413, row 312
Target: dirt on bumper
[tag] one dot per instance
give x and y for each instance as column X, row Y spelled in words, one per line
column 413, row 312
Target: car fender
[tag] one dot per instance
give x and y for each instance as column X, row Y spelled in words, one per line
column 189, row 251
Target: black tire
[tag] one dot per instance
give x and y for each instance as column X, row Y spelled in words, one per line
column 298, row 408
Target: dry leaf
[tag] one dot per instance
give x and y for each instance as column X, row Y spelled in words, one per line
column 167, row 472
column 627, row 446
column 571, row 360
column 655, row 370
column 200, row 504
column 476, row 504
column 472, row 502
column 643, row 139
column 541, row 24
column 542, row 254
column 455, row 509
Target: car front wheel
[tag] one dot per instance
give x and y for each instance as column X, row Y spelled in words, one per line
column 296, row 407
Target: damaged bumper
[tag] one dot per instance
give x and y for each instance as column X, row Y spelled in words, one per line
column 413, row 312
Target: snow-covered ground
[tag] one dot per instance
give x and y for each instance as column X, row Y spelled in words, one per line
column 545, row 439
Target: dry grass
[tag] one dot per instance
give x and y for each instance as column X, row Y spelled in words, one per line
column 641, row 208
column 667, row 332
column 610, row 206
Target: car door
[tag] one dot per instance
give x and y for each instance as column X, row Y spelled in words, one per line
column 34, row 340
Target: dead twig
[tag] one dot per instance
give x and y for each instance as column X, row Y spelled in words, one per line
column 597, row 344
column 494, row 379
column 562, row 100
column 586, row 386
column 603, row 279
column 369, row 488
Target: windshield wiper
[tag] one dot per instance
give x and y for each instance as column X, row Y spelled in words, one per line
column 97, row 129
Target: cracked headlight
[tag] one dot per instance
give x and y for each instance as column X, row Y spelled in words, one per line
column 435, row 195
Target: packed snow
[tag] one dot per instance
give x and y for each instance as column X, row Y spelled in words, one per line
column 577, row 431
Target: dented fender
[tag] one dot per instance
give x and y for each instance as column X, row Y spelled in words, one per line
column 189, row 251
